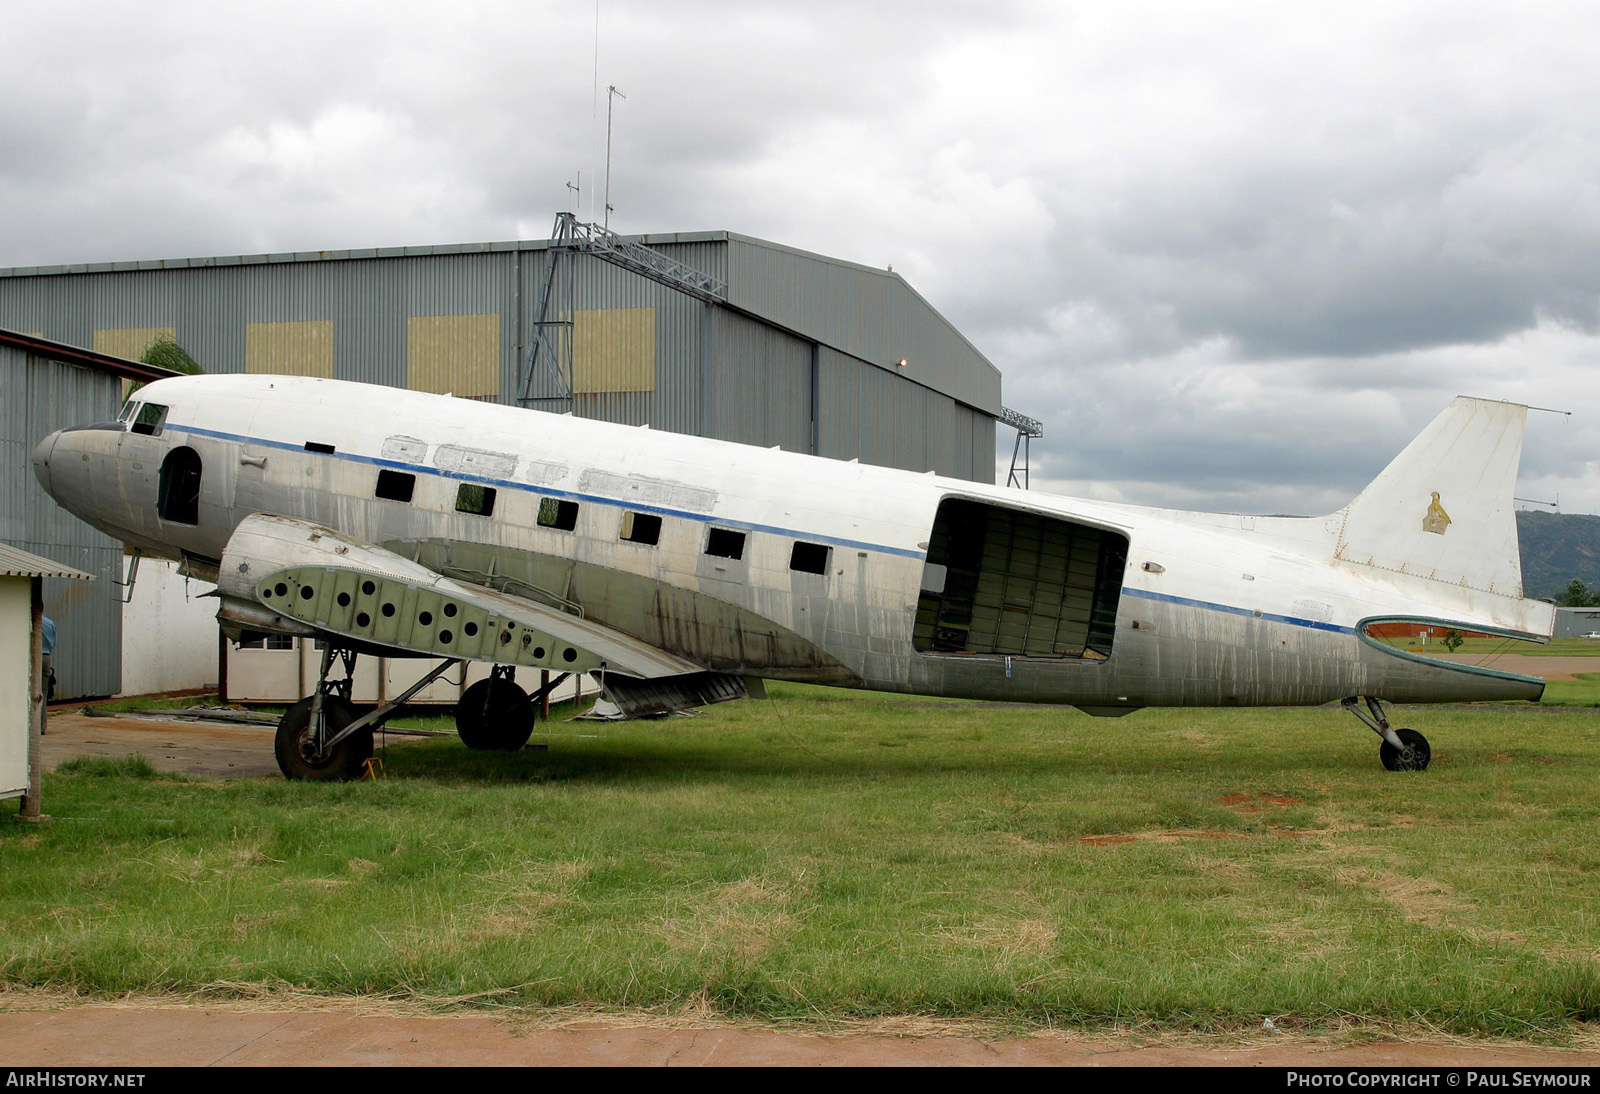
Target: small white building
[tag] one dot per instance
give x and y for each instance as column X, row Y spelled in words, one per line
column 20, row 605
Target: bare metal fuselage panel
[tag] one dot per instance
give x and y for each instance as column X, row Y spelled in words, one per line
column 658, row 554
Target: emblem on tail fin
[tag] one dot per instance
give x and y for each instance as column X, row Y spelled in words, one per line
column 1437, row 519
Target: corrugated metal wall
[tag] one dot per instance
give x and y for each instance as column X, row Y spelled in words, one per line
column 36, row 398
column 717, row 372
column 760, row 391
column 869, row 413
column 675, row 402
column 873, row 315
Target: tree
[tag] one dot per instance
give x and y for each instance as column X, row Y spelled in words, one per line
column 165, row 353
column 1579, row 596
column 1453, row 639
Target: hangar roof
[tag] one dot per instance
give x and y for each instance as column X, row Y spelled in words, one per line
column 870, row 313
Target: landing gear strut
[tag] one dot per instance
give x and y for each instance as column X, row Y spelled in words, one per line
column 321, row 739
column 1402, row 749
column 496, row 714
column 314, row 741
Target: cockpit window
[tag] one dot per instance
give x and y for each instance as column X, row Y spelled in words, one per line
column 150, row 418
column 129, row 409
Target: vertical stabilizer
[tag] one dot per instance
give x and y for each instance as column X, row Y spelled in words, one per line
column 1443, row 509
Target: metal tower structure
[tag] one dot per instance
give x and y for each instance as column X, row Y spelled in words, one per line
column 552, row 330
column 1027, row 428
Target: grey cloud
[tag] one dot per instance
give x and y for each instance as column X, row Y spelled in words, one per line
column 1231, row 256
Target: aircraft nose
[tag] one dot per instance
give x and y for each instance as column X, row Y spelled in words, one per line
column 41, row 460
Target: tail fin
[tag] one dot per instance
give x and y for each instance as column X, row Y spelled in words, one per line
column 1443, row 509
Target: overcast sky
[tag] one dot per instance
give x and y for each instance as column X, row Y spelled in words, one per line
column 1234, row 255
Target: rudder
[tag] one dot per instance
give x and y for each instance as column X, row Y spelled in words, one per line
column 1443, row 509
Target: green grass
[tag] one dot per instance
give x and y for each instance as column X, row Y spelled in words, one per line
column 833, row 855
column 110, row 767
column 1582, row 692
column 439, row 718
column 155, row 702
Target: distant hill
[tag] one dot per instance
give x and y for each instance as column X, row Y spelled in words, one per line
column 1557, row 547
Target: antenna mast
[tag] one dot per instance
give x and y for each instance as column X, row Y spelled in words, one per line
column 612, row 94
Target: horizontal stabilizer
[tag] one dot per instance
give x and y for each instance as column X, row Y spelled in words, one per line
column 1443, row 509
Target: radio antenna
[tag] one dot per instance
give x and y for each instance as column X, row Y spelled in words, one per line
column 612, row 94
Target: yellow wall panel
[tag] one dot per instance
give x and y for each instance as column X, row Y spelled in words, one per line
column 129, row 343
column 459, row 354
column 614, row 349
column 289, row 349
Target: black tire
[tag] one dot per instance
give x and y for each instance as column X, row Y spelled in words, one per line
column 1414, row 757
column 343, row 762
column 494, row 715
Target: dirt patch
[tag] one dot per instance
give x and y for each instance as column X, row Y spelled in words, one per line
column 355, row 1031
column 197, row 749
column 1256, row 803
column 1548, row 668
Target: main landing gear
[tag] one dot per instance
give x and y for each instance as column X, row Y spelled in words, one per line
column 1402, row 749
column 315, row 740
column 322, row 739
column 495, row 713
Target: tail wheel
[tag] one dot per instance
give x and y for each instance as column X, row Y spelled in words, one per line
column 295, row 744
column 494, row 714
column 1413, row 757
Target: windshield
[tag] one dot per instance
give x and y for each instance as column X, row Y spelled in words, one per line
column 149, row 419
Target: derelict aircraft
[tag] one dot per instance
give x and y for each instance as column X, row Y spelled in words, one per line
column 681, row 570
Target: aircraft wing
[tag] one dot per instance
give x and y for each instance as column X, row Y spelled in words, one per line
column 335, row 584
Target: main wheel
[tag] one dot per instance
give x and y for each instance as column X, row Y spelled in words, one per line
column 293, row 744
column 494, row 714
column 1413, row 757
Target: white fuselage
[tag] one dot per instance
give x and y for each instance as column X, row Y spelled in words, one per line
column 1208, row 610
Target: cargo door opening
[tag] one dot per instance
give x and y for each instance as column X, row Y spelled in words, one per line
column 1005, row 581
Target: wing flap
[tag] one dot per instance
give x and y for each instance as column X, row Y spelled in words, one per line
column 327, row 580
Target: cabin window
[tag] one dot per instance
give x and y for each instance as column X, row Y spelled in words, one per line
column 179, row 498
column 555, row 513
column 1004, row 581
column 395, row 485
column 641, row 528
column 318, row 446
column 725, row 543
column 150, row 419
column 474, row 498
column 809, row 558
